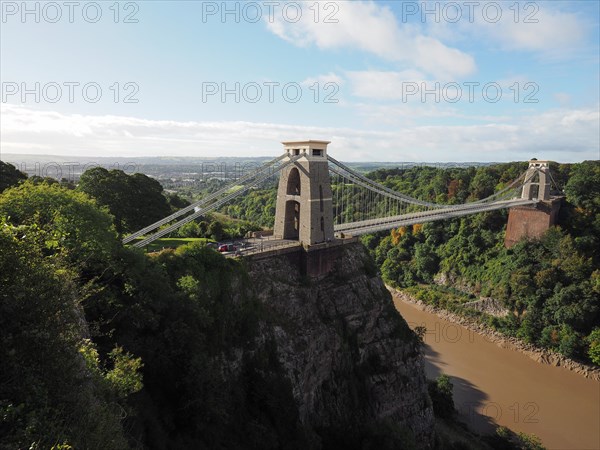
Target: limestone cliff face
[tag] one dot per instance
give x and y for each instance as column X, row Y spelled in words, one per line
column 350, row 357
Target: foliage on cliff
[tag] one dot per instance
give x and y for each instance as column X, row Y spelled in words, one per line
column 54, row 389
column 552, row 285
column 102, row 345
column 106, row 347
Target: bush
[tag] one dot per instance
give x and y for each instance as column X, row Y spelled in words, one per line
column 440, row 391
column 570, row 342
column 530, row 442
column 190, row 230
column 594, row 346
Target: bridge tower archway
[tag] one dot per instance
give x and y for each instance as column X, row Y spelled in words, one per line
column 294, row 185
column 538, row 181
column 291, row 228
column 304, row 209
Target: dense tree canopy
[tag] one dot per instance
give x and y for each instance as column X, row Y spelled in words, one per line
column 104, row 347
column 551, row 285
column 9, row 176
column 135, row 200
column 53, row 391
column 65, row 221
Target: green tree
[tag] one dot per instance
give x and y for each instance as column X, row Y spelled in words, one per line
column 176, row 202
column 65, row 221
column 189, row 230
column 203, row 229
column 147, row 202
column 583, row 187
column 425, row 261
column 581, row 214
column 135, row 200
column 530, row 442
column 125, row 375
column 47, row 395
column 593, row 341
column 570, row 342
column 10, row 176
column 440, row 391
column 483, row 184
column 108, row 189
column 215, row 230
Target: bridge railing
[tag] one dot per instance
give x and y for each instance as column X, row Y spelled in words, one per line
column 192, row 207
column 217, row 202
column 382, row 224
column 264, row 247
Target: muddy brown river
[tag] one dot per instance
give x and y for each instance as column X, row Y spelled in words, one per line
column 496, row 386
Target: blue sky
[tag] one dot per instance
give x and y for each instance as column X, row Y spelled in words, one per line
column 354, row 72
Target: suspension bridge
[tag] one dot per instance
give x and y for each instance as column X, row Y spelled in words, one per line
column 320, row 199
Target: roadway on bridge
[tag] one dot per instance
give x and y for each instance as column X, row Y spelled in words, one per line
column 252, row 246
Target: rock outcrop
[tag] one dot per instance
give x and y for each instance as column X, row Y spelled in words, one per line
column 488, row 306
column 350, row 357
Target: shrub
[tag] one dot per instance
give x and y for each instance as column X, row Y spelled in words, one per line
column 440, row 391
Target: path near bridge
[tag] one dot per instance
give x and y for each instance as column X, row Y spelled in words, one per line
column 496, row 386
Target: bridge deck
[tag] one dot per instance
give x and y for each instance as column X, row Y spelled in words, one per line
column 373, row 192
column 387, row 223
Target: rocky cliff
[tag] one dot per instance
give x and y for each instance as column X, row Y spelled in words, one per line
column 350, row 358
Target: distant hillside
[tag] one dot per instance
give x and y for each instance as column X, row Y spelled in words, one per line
column 71, row 167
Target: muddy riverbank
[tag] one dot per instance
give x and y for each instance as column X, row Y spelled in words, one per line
column 540, row 355
column 497, row 384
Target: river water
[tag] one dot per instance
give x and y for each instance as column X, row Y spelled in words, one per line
column 496, row 386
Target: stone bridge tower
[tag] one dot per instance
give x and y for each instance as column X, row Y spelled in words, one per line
column 532, row 221
column 304, row 210
column 538, row 187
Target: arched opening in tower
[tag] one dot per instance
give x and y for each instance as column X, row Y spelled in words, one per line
column 534, row 190
column 291, row 229
column 293, row 185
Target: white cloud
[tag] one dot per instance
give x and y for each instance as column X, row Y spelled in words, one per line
column 537, row 27
column 411, row 86
column 323, row 79
column 554, row 33
column 382, row 85
column 407, row 115
column 367, row 26
column 563, row 135
column 562, row 98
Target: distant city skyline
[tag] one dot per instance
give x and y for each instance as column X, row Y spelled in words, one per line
column 383, row 81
